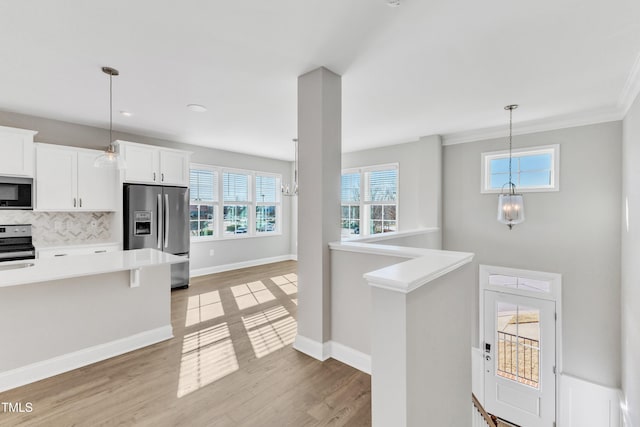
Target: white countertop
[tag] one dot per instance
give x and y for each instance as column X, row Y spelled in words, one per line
column 44, row 270
column 410, row 275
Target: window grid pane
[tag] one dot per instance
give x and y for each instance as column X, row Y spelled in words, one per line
column 527, row 170
column 203, row 185
column 236, row 187
column 350, row 187
column 266, row 189
column 236, row 219
column 382, row 185
column 266, row 218
column 350, row 220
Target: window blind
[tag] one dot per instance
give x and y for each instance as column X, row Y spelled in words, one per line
column 203, row 185
column 236, row 187
column 350, row 187
column 266, row 189
column 382, row 185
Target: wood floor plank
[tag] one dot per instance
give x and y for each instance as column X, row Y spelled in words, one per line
column 263, row 385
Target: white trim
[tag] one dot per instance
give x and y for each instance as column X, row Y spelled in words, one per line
column 8, row 129
column 67, row 362
column 349, row 356
column 541, row 125
column 485, row 170
column 624, row 411
column 631, row 88
column 243, row 264
column 408, row 276
column 334, row 350
column 372, row 238
column 315, row 349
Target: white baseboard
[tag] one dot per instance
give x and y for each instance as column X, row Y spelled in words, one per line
column 315, row 349
column 351, row 357
column 68, row 362
column 577, row 394
column 243, row 264
column 334, row 350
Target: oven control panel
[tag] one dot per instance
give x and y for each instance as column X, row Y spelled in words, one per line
column 15, row 230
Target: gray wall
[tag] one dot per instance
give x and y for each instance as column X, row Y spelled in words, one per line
column 225, row 251
column 574, row 232
column 630, row 264
column 419, row 177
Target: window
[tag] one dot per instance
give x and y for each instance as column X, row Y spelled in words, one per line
column 373, row 210
column 350, row 194
column 380, row 200
column 228, row 203
column 532, row 169
column 203, row 183
column 236, row 202
column 267, row 203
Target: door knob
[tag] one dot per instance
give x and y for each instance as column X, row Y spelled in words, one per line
column 487, row 358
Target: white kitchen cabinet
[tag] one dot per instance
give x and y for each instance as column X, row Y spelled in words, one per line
column 147, row 164
column 16, row 146
column 66, row 180
column 60, row 251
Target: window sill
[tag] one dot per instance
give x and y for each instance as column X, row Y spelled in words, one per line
column 235, row 237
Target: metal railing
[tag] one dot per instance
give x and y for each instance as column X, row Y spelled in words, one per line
column 518, row 358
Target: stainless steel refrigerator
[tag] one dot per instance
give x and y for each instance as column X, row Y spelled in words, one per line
column 158, row 217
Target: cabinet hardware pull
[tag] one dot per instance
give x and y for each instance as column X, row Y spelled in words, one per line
column 154, row 177
column 80, row 201
column 162, row 177
column 74, row 202
column 101, row 251
column 60, row 254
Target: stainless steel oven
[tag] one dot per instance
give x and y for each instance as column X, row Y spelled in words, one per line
column 16, row 243
column 16, row 193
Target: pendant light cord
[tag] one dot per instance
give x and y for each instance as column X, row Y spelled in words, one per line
column 110, row 109
column 513, row 190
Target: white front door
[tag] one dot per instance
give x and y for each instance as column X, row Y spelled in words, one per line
column 519, row 353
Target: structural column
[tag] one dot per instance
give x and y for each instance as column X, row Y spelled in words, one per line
column 319, row 148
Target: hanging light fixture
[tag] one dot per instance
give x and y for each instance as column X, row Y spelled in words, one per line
column 510, row 203
column 292, row 190
column 110, row 158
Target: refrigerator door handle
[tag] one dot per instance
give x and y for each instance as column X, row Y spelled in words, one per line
column 159, row 221
column 166, row 221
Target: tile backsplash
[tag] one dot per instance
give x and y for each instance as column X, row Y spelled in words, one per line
column 63, row 228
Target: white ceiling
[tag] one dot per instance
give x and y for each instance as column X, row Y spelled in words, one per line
column 427, row 67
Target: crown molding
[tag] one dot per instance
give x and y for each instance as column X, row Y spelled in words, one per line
column 553, row 123
column 631, row 88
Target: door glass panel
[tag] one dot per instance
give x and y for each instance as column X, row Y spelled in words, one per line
column 518, row 343
column 521, row 283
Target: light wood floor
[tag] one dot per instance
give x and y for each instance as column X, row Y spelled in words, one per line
column 231, row 369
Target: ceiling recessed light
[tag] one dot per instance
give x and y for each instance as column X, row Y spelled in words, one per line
column 125, row 113
column 393, row 3
column 197, row 108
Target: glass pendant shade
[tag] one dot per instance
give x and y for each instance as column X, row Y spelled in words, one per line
column 110, row 159
column 511, row 209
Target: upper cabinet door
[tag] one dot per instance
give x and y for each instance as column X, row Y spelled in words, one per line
column 142, row 163
column 56, row 178
column 16, row 146
column 174, row 168
column 97, row 187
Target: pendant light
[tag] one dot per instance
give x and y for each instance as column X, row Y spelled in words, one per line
column 292, row 190
column 510, row 203
column 110, row 158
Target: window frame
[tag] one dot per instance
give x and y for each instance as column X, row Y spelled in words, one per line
column 365, row 205
column 487, row 157
column 251, row 204
column 214, row 203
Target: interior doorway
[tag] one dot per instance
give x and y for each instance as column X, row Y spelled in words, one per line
column 520, row 343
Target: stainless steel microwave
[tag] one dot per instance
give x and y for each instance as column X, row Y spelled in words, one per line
column 16, row 193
